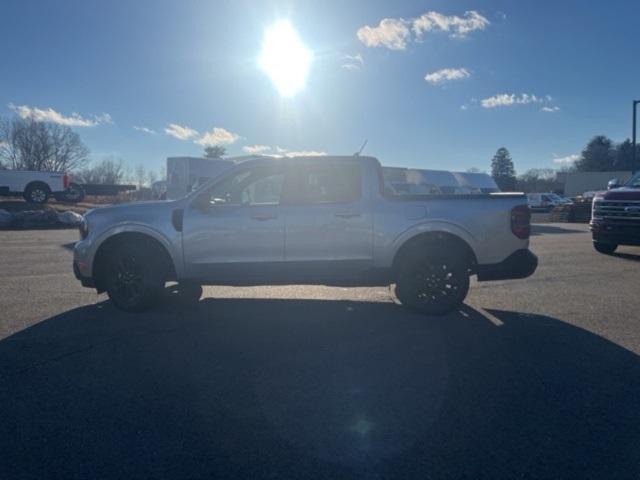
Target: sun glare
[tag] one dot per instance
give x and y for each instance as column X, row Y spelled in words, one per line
column 285, row 59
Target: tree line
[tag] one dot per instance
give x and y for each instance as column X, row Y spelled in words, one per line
column 601, row 154
column 29, row 144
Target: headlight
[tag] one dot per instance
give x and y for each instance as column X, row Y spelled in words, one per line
column 84, row 229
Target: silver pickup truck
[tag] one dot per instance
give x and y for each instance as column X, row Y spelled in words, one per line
column 321, row 220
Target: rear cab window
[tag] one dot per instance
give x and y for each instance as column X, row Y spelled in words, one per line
column 325, row 182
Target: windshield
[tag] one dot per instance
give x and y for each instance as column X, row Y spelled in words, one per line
column 633, row 182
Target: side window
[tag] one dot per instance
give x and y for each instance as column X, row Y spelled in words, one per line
column 256, row 186
column 328, row 182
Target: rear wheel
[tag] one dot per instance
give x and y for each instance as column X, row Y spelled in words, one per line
column 606, row 248
column 434, row 283
column 133, row 278
column 36, row 193
column 73, row 194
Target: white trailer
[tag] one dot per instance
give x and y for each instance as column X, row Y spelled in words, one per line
column 184, row 174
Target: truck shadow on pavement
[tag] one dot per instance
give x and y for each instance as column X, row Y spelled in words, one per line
column 270, row 388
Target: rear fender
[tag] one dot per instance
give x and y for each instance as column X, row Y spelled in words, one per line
column 429, row 227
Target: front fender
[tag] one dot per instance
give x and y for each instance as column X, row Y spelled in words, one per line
column 172, row 244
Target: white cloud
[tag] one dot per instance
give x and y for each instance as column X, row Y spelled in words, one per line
column 305, row 153
column 180, row 132
column 568, row 160
column 217, row 136
column 50, row 115
column 551, row 109
column 281, row 152
column 353, row 62
column 255, row 149
column 446, row 74
column 509, row 99
column 392, row 33
column 395, row 33
column 145, row 130
column 454, row 25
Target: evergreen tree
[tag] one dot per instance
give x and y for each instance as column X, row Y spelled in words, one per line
column 502, row 170
column 598, row 155
column 214, row 151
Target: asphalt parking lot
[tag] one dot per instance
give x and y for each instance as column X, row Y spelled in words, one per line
column 535, row 378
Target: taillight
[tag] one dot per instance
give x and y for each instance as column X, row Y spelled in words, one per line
column 66, row 181
column 521, row 221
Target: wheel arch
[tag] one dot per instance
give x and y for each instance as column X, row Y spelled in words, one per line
column 34, row 183
column 435, row 239
column 150, row 241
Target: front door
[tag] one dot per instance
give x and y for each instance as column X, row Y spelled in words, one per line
column 235, row 228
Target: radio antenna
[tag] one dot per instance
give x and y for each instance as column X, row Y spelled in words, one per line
column 357, row 154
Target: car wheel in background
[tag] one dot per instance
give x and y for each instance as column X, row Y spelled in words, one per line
column 73, row 194
column 435, row 283
column 133, row 277
column 36, row 193
column 606, row 248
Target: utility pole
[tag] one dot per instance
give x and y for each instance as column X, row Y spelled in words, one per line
column 633, row 135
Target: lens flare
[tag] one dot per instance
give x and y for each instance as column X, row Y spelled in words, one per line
column 285, row 59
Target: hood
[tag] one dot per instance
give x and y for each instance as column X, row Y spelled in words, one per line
column 622, row 193
column 135, row 210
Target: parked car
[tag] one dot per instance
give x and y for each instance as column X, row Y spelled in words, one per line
column 322, row 220
column 615, row 216
column 35, row 187
column 544, row 202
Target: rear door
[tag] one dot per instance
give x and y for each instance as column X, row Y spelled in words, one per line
column 329, row 227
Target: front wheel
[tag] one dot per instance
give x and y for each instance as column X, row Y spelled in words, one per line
column 36, row 193
column 606, row 248
column 132, row 278
column 435, row 283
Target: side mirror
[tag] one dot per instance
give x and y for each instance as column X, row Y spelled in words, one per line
column 613, row 183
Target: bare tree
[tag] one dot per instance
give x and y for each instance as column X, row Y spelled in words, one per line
column 108, row 171
column 27, row 144
column 152, row 176
column 141, row 175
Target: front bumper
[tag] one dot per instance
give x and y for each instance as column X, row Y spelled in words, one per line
column 619, row 233
column 85, row 281
column 520, row 264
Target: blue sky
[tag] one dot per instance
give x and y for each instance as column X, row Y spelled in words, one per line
column 539, row 77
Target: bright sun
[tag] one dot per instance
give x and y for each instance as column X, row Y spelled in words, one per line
column 285, row 58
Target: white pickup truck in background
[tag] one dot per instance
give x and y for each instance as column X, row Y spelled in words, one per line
column 35, row 187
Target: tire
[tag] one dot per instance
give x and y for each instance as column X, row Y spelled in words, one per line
column 132, row 277
column 185, row 293
column 434, row 283
column 606, row 248
column 73, row 194
column 36, row 193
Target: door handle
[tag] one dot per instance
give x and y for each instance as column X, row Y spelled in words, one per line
column 347, row 214
column 263, row 216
